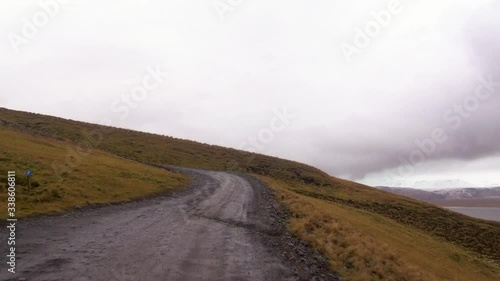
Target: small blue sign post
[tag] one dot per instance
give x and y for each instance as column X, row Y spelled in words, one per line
column 28, row 174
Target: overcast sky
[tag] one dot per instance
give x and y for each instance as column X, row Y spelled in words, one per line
column 381, row 92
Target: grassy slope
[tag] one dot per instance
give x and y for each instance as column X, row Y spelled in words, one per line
column 473, row 243
column 101, row 178
column 363, row 244
column 474, row 234
column 145, row 147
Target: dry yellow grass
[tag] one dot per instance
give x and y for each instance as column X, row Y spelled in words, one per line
column 100, row 178
column 365, row 246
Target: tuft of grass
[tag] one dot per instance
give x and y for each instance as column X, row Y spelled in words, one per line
column 102, row 178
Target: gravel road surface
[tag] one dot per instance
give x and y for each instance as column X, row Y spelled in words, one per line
column 223, row 227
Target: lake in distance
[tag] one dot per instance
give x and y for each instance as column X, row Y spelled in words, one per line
column 484, row 213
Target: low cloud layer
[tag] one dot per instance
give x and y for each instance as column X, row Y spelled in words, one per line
column 461, row 102
column 412, row 100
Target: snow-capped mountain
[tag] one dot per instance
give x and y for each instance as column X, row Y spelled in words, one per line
column 441, row 184
column 469, row 193
column 446, row 194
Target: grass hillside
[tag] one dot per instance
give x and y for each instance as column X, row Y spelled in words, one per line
column 369, row 244
column 368, row 234
column 477, row 235
column 102, row 178
column 151, row 148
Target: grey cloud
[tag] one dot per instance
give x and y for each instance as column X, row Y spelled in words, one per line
column 378, row 145
column 227, row 77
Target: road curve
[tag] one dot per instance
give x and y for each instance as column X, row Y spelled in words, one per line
column 210, row 232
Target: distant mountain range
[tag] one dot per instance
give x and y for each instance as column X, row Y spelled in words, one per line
column 440, row 184
column 446, row 194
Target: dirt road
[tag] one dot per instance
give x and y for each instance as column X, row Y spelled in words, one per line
column 218, row 229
